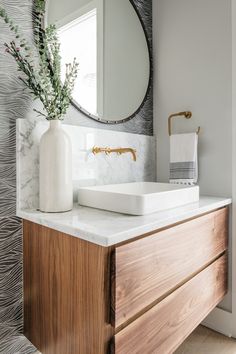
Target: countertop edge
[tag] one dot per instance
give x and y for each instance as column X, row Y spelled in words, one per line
column 130, row 233
column 170, row 221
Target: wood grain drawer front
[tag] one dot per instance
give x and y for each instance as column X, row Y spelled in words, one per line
column 146, row 270
column 165, row 326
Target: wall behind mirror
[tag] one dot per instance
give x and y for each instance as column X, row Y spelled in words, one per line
column 115, row 85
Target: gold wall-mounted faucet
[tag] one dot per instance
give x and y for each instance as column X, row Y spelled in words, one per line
column 119, row 151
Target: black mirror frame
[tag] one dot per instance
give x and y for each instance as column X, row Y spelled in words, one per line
column 149, row 86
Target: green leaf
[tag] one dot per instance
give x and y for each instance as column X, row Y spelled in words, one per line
column 43, row 79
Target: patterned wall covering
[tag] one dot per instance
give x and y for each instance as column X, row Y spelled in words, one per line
column 14, row 104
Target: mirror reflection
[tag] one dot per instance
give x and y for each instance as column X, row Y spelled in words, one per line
column 108, row 40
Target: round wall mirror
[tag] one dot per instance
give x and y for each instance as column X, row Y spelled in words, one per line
column 108, row 40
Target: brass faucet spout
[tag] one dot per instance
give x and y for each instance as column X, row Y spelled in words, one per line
column 119, row 151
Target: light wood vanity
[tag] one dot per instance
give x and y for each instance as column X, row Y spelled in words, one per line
column 144, row 295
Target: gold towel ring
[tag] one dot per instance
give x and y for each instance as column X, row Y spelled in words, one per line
column 186, row 114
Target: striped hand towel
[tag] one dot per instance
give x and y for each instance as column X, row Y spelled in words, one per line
column 183, row 158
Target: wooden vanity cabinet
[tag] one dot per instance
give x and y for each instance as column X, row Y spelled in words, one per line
column 143, row 296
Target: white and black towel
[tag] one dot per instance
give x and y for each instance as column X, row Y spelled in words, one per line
column 183, row 158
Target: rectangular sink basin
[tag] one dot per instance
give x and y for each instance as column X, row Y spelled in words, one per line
column 138, row 198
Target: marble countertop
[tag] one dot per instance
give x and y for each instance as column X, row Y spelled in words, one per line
column 107, row 228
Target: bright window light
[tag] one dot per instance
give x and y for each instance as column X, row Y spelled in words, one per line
column 79, row 39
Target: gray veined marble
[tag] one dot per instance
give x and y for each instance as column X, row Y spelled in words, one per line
column 87, row 169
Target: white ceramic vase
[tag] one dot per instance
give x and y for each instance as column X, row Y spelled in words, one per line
column 55, row 175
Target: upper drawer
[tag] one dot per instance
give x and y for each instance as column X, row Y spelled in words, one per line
column 146, row 270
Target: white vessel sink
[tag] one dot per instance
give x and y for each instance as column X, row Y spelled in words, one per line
column 138, row 198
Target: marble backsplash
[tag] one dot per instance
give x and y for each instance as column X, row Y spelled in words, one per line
column 87, row 169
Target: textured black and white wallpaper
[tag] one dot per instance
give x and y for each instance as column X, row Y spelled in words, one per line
column 14, row 104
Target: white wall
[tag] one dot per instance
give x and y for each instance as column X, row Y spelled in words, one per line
column 57, row 10
column 192, row 41
column 192, row 66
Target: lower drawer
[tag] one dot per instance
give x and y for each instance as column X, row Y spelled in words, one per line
column 165, row 326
